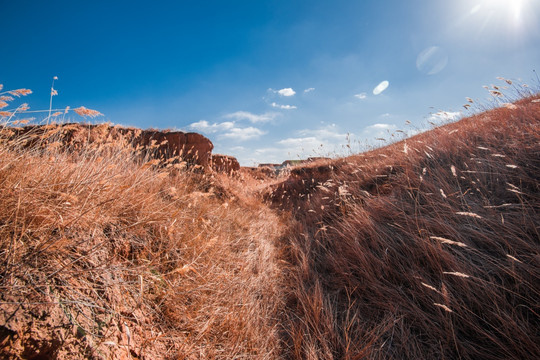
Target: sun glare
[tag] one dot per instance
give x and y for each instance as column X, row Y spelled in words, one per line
column 512, row 9
column 499, row 17
column 505, row 4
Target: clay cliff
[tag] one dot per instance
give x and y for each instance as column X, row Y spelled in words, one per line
column 167, row 146
column 225, row 163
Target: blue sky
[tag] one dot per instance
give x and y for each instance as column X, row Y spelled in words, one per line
column 268, row 81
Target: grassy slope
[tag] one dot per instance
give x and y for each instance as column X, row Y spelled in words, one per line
column 105, row 258
column 427, row 248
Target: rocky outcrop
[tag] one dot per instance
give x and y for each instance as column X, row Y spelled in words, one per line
column 167, row 146
column 288, row 164
column 259, row 173
column 190, row 147
column 225, row 163
column 269, row 165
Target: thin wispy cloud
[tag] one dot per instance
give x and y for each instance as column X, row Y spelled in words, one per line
column 377, row 132
column 300, row 148
column 253, row 118
column 309, row 90
column 284, row 107
column 207, row 128
column 324, row 141
column 330, row 133
column 380, row 127
column 444, row 116
column 361, row 96
column 299, row 142
column 227, row 130
column 243, row 134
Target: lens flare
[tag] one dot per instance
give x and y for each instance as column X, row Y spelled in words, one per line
column 431, row 60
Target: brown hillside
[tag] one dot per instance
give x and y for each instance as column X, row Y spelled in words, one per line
column 427, row 249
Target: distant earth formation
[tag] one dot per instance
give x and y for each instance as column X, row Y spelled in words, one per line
column 166, row 146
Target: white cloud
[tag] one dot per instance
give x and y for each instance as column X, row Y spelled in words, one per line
column 380, row 127
column 227, row 130
column 377, row 131
column 309, row 90
column 297, row 148
column 324, row 141
column 326, row 134
column 254, row 118
column 300, row 142
column 286, row 92
column 381, row 87
column 243, row 134
column 361, row 96
column 205, row 127
column 443, row 117
column 327, row 141
column 285, row 107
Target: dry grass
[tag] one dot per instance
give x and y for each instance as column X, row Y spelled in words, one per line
column 103, row 257
column 432, row 252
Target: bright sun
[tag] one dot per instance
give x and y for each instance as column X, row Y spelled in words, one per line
column 504, row 14
column 511, row 8
column 504, row 3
